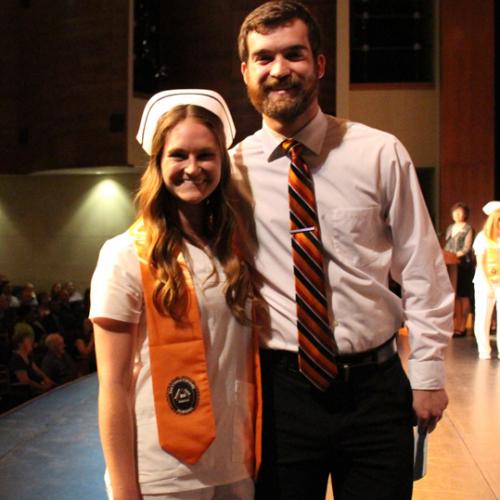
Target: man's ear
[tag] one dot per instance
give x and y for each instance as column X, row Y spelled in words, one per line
column 244, row 71
column 321, row 65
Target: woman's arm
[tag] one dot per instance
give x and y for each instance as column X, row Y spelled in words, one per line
column 47, row 382
column 83, row 348
column 22, row 376
column 114, row 342
column 467, row 246
column 447, row 238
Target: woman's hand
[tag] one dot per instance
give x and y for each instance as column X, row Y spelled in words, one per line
column 47, row 384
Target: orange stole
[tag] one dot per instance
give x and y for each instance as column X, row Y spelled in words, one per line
column 181, row 389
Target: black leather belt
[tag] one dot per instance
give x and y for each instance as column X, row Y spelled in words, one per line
column 349, row 365
column 352, row 363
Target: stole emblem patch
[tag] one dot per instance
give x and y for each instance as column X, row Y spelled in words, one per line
column 183, row 395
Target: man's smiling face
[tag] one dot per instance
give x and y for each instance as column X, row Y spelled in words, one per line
column 281, row 72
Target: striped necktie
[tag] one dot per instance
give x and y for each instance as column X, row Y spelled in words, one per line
column 315, row 336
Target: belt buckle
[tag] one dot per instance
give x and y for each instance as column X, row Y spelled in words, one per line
column 345, row 371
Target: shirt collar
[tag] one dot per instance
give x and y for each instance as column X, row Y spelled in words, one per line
column 311, row 137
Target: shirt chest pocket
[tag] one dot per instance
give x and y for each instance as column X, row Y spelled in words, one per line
column 359, row 236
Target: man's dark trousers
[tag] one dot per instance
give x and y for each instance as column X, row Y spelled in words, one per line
column 359, row 431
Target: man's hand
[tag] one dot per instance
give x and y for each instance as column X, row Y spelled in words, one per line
column 429, row 407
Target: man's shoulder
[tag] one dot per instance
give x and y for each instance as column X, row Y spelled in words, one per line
column 49, row 359
column 354, row 130
column 355, row 138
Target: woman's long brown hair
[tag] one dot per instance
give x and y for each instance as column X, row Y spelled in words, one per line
column 164, row 236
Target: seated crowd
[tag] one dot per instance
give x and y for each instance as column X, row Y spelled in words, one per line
column 46, row 339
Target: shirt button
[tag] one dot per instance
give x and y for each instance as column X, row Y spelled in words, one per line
column 335, row 323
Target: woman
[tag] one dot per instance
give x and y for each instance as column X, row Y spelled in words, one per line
column 23, row 368
column 459, row 237
column 55, row 290
column 170, row 308
column 487, row 279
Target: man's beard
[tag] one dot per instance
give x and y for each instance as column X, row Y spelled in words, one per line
column 284, row 108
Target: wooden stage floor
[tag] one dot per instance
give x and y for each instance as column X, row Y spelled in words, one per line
column 49, row 448
column 464, row 451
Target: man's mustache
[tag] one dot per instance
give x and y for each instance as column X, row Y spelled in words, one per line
column 288, row 83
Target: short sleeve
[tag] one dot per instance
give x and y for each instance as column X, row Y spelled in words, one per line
column 479, row 245
column 116, row 288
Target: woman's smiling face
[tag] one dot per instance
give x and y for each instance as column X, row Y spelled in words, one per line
column 191, row 162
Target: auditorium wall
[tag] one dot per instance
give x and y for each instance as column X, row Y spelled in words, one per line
column 52, row 226
column 409, row 112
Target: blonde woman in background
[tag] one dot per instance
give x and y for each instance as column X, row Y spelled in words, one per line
column 487, row 279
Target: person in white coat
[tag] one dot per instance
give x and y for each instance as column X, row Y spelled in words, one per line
column 171, row 312
column 487, row 279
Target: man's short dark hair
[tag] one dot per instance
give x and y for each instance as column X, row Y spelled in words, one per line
column 273, row 14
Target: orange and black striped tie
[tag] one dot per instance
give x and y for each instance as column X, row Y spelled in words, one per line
column 315, row 336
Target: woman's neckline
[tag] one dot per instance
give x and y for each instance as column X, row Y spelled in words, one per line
column 205, row 248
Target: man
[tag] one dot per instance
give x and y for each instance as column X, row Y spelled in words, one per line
column 23, row 368
column 336, row 213
column 28, row 295
column 57, row 363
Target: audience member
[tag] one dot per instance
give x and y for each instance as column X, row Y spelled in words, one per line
column 29, row 320
column 23, row 322
column 57, row 363
column 86, row 302
column 459, row 238
column 4, row 307
column 28, row 295
column 7, row 291
column 7, row 318
column 23, row 368
column 71, row 321
column 55, row 290
column 48, row 331
column 51, row 321
column 3, row 281
column 7, row 315
column 73, row 294
column 84, row 346
column 43, row 299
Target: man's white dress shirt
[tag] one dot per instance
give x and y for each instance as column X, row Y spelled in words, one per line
column 374, row 222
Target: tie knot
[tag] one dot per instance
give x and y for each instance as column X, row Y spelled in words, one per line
column 292, row 148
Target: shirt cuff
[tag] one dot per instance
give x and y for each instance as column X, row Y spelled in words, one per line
column 426, row 375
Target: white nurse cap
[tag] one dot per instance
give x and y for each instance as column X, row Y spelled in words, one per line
column 491, row 206
column 162, row 102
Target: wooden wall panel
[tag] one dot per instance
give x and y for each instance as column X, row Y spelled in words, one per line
column 65, row 75
column 467, row 155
